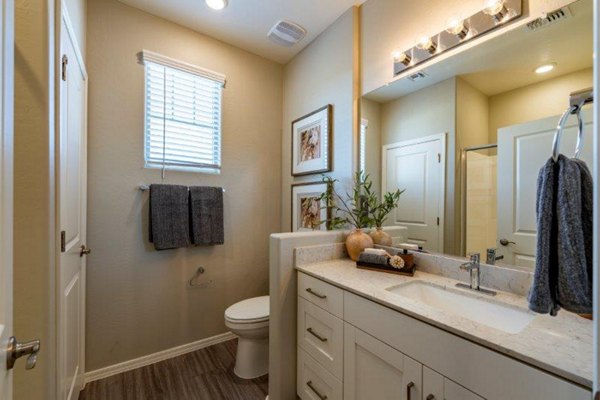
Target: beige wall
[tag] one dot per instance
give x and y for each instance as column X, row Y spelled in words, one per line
column 391, row 25
column 429, row 111
column 34, row 241
column 540, row 100
column 137, row 299
column 324, row 73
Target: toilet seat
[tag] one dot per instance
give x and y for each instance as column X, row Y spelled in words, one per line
column 249, row 311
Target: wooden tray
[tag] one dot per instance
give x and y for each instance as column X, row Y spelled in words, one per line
column 406, row 271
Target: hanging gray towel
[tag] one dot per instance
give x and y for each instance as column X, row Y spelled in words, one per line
column 169, row 216
column 207, row 215
column 563, row 272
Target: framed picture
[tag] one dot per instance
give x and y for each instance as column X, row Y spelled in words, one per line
column 308, row 211
column 311, row 142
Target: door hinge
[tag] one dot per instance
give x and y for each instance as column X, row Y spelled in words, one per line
column 439, row 157
column 63, row 245
column 65, row 61
column 438, row 221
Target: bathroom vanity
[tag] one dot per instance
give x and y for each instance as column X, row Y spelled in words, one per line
column 372, row 335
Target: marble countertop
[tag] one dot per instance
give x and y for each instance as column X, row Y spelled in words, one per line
column 561, row 345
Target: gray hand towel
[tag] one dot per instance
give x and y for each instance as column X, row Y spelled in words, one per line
column 373, row 259
column 207, row 215
column 563, row 272
column 169, row 216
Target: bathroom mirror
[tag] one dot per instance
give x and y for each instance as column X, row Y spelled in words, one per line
column 467, row 136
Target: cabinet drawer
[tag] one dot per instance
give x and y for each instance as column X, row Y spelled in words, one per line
column 314, row 382
column 321, row 335
column 326, row 296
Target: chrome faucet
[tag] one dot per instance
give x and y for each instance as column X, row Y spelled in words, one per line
column 492, row 257
column 474, row 268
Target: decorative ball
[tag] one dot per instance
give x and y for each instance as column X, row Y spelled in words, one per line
column 397, row 262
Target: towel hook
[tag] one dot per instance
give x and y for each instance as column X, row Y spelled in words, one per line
column 574, row 109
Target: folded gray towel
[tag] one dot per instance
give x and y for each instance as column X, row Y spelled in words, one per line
column 207, row 215
column 169, row 216
column 373, row 259
column 563, row 272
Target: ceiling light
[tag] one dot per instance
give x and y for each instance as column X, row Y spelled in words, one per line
column 216, row 4
column 426, row 43
column 542, row 69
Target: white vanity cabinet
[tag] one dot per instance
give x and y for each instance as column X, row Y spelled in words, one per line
column 356, row 349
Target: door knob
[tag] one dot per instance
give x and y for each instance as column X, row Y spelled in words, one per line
column 84, row 251
column 17, row 350
column 506, row 242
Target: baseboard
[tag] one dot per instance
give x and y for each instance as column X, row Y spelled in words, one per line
column 156, row 357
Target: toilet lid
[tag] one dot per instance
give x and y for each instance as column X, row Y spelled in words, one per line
column 250, row 310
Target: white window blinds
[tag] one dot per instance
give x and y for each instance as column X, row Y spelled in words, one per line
column 183, row 115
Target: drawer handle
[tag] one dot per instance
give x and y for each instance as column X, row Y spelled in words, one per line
column 315, row 334
column 319, row 395
column 319, row 295
column 430, row 397
column 408, row 387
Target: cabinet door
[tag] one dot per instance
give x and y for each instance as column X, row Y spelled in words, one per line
column 374, row 370
column 438, row 387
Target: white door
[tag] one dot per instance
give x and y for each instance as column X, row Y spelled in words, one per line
column 6, row 190
column 419, row 167
column 374, row 370
column 522, row 150
column 72, row 211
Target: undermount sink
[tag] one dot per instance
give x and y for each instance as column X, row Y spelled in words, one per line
column 493, row 314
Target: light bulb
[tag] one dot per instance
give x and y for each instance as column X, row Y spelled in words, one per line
column 400, row 57
column 496, row 9
column 456, row 26
column 426, row 43
column 216, row 4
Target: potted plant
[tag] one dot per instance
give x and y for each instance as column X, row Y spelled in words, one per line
column 379, row 213
column 353, row 211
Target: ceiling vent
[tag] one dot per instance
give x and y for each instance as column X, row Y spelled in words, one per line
column 417, row 76
column 286, row 33
column 550, row 18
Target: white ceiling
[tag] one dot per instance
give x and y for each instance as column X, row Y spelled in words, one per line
column 507, row 62
column 245, row 23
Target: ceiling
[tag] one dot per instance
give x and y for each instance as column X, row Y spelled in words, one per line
column 507, row 61
column 245, row 23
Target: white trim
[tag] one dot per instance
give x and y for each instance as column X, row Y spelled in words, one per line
column 411, row 142
column 146, row 55
column 596, row 173
column 156, row 357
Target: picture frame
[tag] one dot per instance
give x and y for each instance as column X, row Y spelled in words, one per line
column 308, row 213
column 312, row 142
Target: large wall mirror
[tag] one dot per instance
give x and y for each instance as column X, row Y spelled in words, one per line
column 467, row 136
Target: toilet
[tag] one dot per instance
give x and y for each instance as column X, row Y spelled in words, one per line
column 249, row 320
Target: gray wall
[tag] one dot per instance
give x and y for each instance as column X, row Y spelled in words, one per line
column 137, row 299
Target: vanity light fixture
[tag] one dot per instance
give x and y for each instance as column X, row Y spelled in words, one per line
column 458, row 30
column 216, row 4
column 542, row 69
column 400, row 57
column 428, row 44
column 457, row 27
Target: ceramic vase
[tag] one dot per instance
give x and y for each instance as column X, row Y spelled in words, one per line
column 356, row 242
column 381, row 237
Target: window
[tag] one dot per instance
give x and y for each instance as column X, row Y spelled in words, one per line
column 362, row 157
column 183, row 115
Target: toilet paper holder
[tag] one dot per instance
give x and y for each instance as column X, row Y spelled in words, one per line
column 193, row 281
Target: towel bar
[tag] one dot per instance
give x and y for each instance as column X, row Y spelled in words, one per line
column 143, row 188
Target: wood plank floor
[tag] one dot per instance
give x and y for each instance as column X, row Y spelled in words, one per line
column 206, row 374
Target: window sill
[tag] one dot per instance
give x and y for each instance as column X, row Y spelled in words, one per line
column 200, row 170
